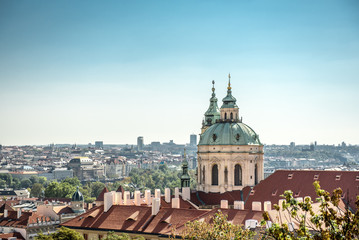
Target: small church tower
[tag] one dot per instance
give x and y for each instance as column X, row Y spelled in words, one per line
column 185, row 179
column 77, row 202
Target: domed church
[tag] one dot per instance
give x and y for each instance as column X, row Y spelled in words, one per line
column 230, row 154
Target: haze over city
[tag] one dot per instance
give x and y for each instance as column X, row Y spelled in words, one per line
column 77, row 72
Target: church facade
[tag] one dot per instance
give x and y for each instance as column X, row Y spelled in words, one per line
column 230, row 154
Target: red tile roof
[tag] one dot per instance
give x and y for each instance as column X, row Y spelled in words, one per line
column 299, row 181
column 25, row 219
column 6, row 236
column 101, row 195
column 139, row 219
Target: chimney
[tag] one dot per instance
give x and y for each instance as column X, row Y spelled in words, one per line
column 157, row 193
column 137, row 198
column 175, row 203
column 167, row 195
column 89, row 205
column 155, row 206
column 5, row 213
column 126, row 198
column 118, row 198
column 186, row 193
column 18, row 212
column 256, row 206
column 107, row 201
column 238, row 205
column 224, row 204
column 148, row 197
column 176, row 192
column 267, row 206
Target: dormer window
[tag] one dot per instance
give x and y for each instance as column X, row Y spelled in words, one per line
column 290, row 175
column 357, row 178
column 316, row 177
column 337, row 178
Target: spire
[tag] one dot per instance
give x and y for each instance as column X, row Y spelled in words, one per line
column 229, row 82
column 212, row 114
column 229, row 101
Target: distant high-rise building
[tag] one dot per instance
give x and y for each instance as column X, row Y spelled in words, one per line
column 292, row 144
column 140, row 143
column 193, row 140
column 99, row 144
column 0, row 147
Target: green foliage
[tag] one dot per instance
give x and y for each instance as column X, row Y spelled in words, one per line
column 329, row 223
column 96, row 188
column 152, row 178
column 219, row 228
column 25, row 183
column 36, row 190
column 121, row 236
column 62, row 233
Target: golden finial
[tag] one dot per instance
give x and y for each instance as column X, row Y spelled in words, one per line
column 184, row 154
column 229, row 82
column 213, row 86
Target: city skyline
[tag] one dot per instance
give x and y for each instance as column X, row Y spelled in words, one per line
column 79, row 72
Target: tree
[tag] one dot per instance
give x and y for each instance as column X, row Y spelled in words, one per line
column 121, row 236
column 62, row 233
column 36, row 190
column 96, row 188
column 72, row 181
column 219, row 228
column 329, row 223
column 25, row 183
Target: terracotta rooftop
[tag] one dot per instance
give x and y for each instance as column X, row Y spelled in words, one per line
column 139, row 219
column 299, row 181
column 6, row 236
column 26, row 218
column 101, row 195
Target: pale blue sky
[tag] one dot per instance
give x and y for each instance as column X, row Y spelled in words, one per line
column 81, row 71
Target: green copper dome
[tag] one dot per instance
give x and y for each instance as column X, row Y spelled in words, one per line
column 227, row 133
column 77, row 196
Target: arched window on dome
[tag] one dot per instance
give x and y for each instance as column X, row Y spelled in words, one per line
column 215, row 175
column 225, row 116
column 238, row 175
column 231, row 115
column 255, row 174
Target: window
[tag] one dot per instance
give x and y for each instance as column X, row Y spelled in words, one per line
column 226, row 175
column 337, row 177
column 316, row 177
column 237, row 175
column 204, row 174
column 225, row 115
column 215, row 175
column 85, row 236
column 255, row 174
column 290, row 175
column 231, row 115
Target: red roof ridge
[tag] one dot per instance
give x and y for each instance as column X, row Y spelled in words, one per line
column 102, row 194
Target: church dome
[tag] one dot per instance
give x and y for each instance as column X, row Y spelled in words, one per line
column 229, row 133
column 77, row 196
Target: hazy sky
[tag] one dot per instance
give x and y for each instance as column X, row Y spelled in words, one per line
column 81, row 71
